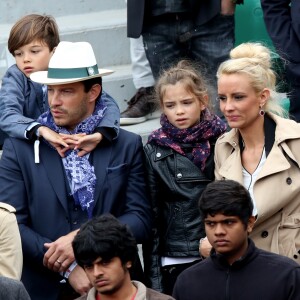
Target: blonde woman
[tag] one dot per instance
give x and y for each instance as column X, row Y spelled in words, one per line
column 262, row 151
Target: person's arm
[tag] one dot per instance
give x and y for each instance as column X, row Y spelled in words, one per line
column 11, row 258
column 18, row 92
column 283, row 25
column 13, row 191
column 79, row 281
column 110, row 124
column 137, row 211
column 14, row 90
column 152, row 257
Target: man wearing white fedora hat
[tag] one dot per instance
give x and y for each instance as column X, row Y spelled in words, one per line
column 52, row 195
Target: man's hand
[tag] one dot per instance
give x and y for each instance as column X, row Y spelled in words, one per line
column 79, row 281
column 54, row 139
column 85, row 143
column 227, row 7
column 60, row 253
column 205, row 247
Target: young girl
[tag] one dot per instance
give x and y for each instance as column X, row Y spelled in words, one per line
column 179, row 161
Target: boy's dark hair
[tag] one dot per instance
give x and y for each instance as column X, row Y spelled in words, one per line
column 33, row 27
column 104, row 237
column 226, row 197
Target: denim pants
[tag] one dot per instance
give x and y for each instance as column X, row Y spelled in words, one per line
column 173, row 37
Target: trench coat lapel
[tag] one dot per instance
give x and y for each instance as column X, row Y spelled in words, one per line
column 232, row 168
column 282, row 164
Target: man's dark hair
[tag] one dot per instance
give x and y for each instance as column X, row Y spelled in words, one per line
column 104, row 237
column 226, row 197
column 90, row 82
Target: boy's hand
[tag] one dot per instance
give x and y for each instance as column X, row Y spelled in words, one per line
column 54, row 139
column 84, row 142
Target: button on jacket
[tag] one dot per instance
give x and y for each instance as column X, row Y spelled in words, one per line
column 175, row 184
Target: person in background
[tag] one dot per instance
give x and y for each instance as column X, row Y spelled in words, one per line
column 179, row 164
column 12, row 289
column 236, row 268
column 262, row 149
column 282, row 19
column 52, row 195
column 106, row 250
column 202, row 31
column 11, row 257
column 142, row 79
column 32, row 41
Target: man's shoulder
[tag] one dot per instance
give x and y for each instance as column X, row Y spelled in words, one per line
column 127, row 136
column 155, row 295
column 125, row 132
column 197, row 269
column 11, row 288
column 276, row 260
column 6, row 208
column 19, row 144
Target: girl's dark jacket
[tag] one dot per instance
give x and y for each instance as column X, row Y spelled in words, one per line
column 175, row 184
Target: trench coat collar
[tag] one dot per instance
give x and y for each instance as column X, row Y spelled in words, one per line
column 232, row 168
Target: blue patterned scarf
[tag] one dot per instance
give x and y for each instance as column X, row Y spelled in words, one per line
column 199, row 136
column 80, row 173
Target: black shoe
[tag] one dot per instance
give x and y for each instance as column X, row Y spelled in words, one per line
column 141, row 107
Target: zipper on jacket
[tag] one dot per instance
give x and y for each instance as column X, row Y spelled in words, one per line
column 227, row 297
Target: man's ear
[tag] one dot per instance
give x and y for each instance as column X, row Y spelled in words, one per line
column 94, row 92
column 128, row 264
column 250, row 224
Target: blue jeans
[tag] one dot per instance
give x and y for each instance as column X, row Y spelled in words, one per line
column 171, row 38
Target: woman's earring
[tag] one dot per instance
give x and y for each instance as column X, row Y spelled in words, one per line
column 261, row 111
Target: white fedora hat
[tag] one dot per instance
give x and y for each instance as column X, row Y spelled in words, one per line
column 71, row 62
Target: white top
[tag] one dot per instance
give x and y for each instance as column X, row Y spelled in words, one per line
column 166, row 261
column 249, row 179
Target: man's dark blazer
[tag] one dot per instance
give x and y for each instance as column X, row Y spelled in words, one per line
column 136, row 10
column 39, row 193
column 12, row 289
column 283, row 25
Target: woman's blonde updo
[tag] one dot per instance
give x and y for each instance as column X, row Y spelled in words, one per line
column 186, row 73
column 254, row 60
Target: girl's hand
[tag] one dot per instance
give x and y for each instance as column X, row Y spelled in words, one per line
column 204, row 247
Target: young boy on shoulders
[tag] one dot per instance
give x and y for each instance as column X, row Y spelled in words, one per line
column 32, row 42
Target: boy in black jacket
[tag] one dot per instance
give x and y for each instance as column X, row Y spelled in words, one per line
column 236, row 269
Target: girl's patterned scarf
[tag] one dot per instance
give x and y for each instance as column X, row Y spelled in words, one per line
column 80, row 173
column 209, row 129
